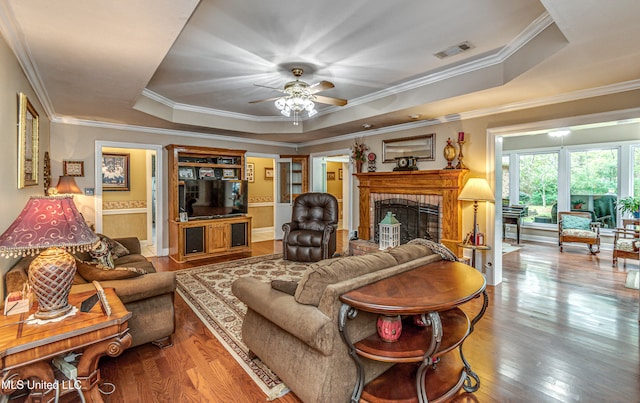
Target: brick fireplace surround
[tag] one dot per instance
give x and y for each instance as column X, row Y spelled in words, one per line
column 446, row 183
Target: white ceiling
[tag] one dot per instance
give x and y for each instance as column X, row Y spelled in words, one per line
column 192, row 65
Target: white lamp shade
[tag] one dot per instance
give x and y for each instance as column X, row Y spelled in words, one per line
column 476, row 189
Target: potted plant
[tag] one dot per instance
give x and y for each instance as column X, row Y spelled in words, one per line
column 577, row 204
column 629, row 205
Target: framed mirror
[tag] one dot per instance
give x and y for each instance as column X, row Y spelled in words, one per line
column 419, row 147
column 28, row 139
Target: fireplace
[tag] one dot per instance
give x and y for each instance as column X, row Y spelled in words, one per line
column 419, row 215
column 427, row 188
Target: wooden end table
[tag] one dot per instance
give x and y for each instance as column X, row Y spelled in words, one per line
column 426, row 367
column 26, row 350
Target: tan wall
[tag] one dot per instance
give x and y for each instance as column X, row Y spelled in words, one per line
column 125, row 225
column 13, row 200
column 334, row 186
column 132, row 223
column 261, row 194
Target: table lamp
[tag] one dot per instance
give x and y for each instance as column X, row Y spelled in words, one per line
column 49, row 226
column 475, row 190
column 67, row 185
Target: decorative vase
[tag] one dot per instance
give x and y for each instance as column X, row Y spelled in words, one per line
column 389, row 328
column 449, row 154
column 358, row 166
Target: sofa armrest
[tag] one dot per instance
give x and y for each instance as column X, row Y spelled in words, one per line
column 137, row 288
column 305, row 322
column 131, row 243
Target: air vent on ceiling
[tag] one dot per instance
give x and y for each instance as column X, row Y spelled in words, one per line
column 454, row 50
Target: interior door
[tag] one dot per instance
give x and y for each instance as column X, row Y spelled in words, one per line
column 284, row 194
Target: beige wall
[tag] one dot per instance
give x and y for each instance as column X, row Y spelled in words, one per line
column 13, row 199
column 334, row 186
column 132, row 222
column 261, row 195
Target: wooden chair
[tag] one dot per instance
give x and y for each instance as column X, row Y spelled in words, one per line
column 577, row 226
column 626, row 241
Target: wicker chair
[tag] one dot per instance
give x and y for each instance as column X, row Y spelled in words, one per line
column 626, row 241
column 577, row 226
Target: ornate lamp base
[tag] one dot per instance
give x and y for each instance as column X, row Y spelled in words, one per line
column 51, row 276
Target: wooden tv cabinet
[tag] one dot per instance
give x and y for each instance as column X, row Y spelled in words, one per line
column 202, row 238
column 199, row 239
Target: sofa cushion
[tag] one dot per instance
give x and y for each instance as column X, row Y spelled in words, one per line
column 286, row 286
column 116, row 248
column 93, row 271
column 576, row 222
column 316, row 278
column 407, row 252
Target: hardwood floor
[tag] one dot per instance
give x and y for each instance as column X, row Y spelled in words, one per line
column 561, row 327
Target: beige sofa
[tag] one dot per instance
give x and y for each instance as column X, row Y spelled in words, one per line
column 297, row 335
column 148, row 297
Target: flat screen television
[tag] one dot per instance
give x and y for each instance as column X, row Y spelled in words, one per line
column 212, row 198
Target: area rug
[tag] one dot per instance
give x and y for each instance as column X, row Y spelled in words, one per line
column 207, row 290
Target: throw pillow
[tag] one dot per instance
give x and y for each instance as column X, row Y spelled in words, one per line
column 444, row 252
column 288, row 287
column 575, row 222
column 101, row 253
column 93, row 271
column 116, row 248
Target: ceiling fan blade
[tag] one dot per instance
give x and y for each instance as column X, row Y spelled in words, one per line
column 321, row 86
column 330, row 100
column 264, row 100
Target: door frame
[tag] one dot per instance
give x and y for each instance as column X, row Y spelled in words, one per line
column 159, row 235
column 272, row 157
column 349, row 178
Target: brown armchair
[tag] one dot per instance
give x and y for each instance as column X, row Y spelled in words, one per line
column 626, row 242
column 577, row 226
column 311, row 234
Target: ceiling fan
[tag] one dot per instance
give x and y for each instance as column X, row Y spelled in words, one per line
column 300, row 96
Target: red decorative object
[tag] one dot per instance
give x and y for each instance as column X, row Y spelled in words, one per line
column 417, row 320
column 460, row 136
column 49, row 222
column 389, row 328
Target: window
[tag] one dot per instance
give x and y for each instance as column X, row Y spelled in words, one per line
column 538, row 186
column 594, row 184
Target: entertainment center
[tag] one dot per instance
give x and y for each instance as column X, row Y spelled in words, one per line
column 207, row 203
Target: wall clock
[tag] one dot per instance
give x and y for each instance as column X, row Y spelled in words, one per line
column 73, row 168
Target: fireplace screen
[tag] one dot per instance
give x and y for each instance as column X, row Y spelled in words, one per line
column 418, row 220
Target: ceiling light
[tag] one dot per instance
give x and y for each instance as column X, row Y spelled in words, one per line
column 367, row 126
column 298, row 98
column 559, row 133
column 415, row 116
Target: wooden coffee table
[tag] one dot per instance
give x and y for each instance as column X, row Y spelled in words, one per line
column 26, row 350
column 427, row 367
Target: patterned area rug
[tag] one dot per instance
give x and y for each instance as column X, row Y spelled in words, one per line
column 207, row 290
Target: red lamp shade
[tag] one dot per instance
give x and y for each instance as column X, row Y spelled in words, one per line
column 49, row 222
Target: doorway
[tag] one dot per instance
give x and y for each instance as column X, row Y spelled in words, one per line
column 331, row 172
column 131, row 207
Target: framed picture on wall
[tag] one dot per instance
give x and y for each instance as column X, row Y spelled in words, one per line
column 73, row 168
column 340, row 173
column 268, row 173
column 251, row 168
column 331, row 176
column 115, row 172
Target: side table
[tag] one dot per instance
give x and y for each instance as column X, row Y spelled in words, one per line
column 426, row 365
column 26, row 350
column 474, row 248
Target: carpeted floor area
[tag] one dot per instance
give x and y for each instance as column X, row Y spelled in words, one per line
column 207, row 290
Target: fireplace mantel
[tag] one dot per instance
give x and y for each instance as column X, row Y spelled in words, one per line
column 446, row 183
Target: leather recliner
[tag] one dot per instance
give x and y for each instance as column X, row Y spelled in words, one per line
column 311, row 234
